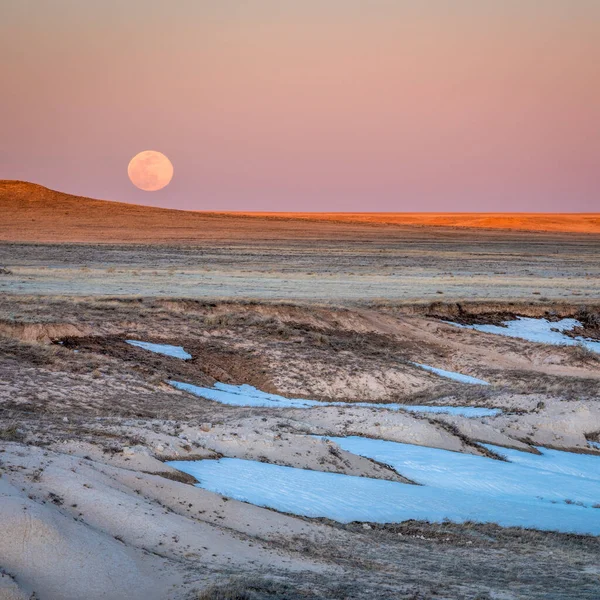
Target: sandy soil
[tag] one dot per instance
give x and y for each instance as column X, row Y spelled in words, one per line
column 86, row 423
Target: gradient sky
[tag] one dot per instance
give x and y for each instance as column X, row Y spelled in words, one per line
column 352, row 105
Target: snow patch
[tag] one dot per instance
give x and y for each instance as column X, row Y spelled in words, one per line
column 541, row 492
column 552, row 476
column 537, row 330
column 246, row 395
column 165, row 349
column 452, row 375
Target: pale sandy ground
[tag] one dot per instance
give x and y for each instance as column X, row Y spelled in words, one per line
column 408, row 286
column 336, row 267
column 89, row 509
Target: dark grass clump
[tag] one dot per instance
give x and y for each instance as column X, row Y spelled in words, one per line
column 247, row 588
column 11, row 433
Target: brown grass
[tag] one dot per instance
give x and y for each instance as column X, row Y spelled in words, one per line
column 179, row 476
column 11, row 433
column 566, row 388
column 254, row 588
column 581, row 354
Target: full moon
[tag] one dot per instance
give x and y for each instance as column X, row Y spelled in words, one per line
column 150, row 170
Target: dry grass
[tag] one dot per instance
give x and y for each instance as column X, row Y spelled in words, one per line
column 11, row 433
column 255, row 588
column 589, row 317
column 179, row 476
column 205, row 255
column 566, row 388
column 581, row 354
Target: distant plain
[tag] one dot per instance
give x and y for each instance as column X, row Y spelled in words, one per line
column 54, row 243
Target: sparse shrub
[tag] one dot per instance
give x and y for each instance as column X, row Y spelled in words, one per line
column 11, row 433
column 55, row 499
column 253, row 589
column 588, row 318
column 334, row 451
column 36, row 475
column 219, row 320
column 582, row 353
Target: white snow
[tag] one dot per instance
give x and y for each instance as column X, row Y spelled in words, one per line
column 452, row 375
column 586, row 466
column 166, row 349
column 242, row 395
column 531, row 492
column 246, row 395
column 537, row 330
column 550, row 476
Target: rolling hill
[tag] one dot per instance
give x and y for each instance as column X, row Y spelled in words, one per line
column 33, row 213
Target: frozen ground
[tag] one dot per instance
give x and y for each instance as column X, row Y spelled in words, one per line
column 455, row 487
column 165, row 349
column 537, row 330
column 246, row 395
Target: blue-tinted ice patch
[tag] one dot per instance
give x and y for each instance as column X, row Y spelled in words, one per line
column 586, row 466
column 248, row 396
column 594, row 444
column 457, row 487
column 537, row 330
column 452, row 375
column 165, row 349
column 243, row 395
column 552, row 476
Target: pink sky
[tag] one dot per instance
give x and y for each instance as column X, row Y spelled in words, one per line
column 385, row 105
